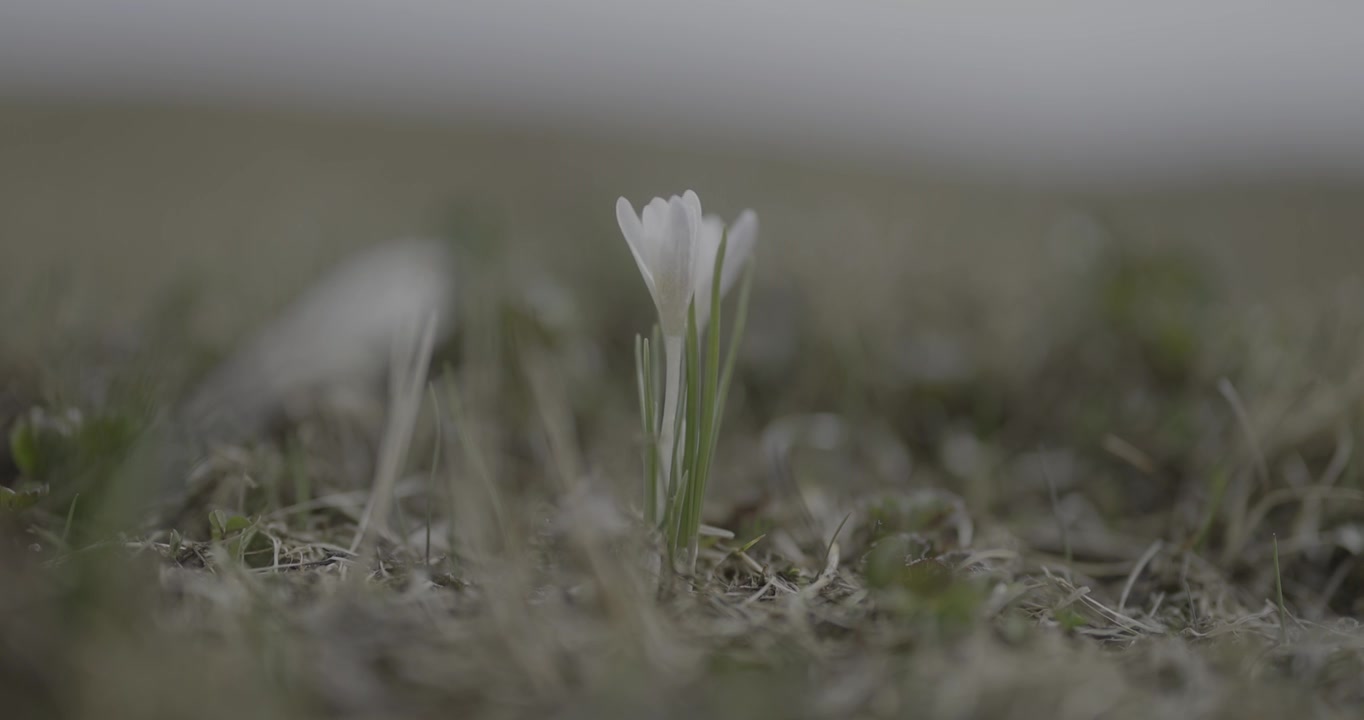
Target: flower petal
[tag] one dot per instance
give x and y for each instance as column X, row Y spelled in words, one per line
column 708, row 246
column 630, row 225
column 693, row 204
column 655, row 216
column 637, row 239
column 743, row 235
column 675, row 268
column 655, row 219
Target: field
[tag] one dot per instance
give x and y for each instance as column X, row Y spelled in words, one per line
column 1004, row 457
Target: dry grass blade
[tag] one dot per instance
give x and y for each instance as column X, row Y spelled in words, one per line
column 411, row 360
column 1137, row 569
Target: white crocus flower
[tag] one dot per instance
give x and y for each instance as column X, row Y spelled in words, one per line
column 665, row 244
column 741, row 238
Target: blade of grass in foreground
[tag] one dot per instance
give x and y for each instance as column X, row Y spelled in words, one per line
column 690, row 439
column 411, row 358
column 707, row 438
column 644, row 379
column 732, row 353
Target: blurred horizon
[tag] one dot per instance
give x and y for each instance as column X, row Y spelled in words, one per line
column 1065, row 96
column 128, row 202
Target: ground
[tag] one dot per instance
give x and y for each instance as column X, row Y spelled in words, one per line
column 1150, row 508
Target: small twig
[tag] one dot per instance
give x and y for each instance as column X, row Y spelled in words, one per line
column 716, row 532
column 750, row 563
column 1136, row 572
column 323, row 562
column 1129, row 453
column 1070, row 599
column 981, row 556
column 758, row 595
column 826, row 577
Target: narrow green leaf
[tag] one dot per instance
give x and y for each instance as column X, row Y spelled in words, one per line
column 690, row 440
column 70, row 518
column 674, row 523
column 749, row 545
column 642, row 383
column 830, row 547
column 694, row 397
column 736, row 335
column 711, row 409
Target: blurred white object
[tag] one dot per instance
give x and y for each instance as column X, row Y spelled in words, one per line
column 1054, row 91
column 342, row 331
column 743, row 234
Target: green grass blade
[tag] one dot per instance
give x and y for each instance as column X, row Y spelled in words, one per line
column 711, row 409
column 736, row 334
column 644, row 384
column 691, row 438
column 70, row 519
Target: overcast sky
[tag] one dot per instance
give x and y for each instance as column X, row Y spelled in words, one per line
column 1066, row 92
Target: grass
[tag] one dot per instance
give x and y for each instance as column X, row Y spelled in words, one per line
column 1159, row 516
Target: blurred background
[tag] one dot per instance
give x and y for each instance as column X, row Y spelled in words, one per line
column 910, row 149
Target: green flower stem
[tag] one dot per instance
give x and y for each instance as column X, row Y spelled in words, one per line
column 672, row 347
